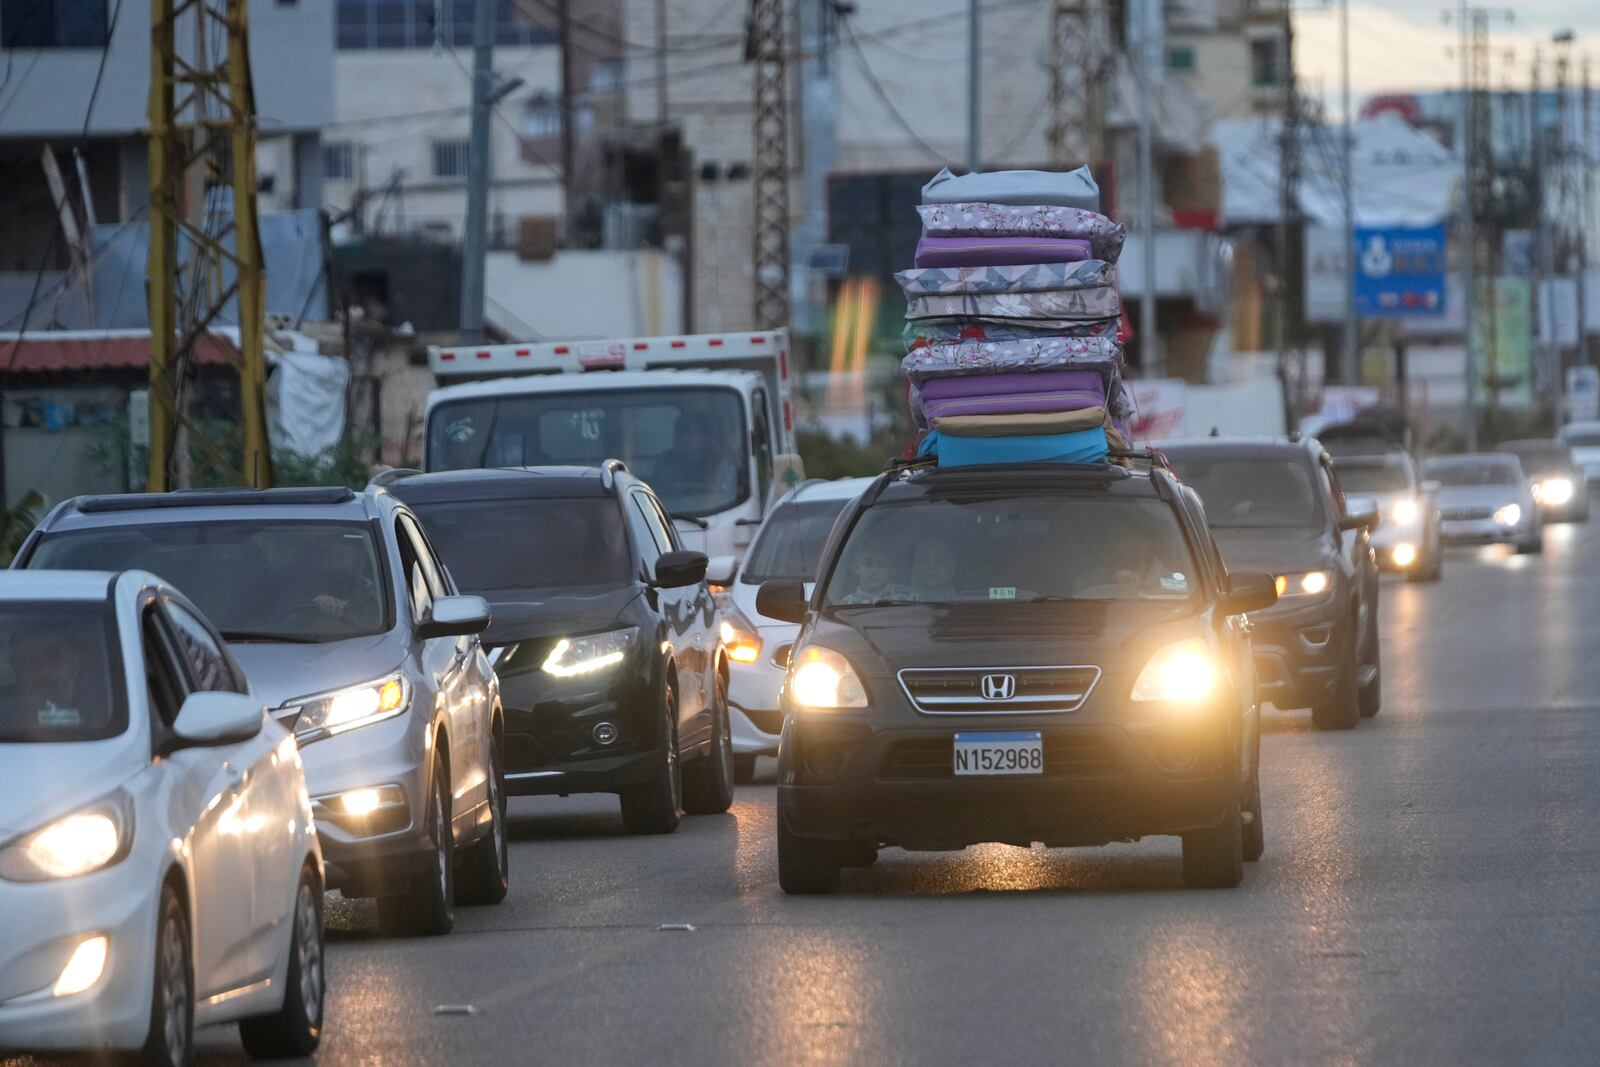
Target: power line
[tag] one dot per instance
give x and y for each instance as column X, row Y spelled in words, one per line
column 884, row 98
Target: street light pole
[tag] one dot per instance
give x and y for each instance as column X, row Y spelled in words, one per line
column 474, row 242
column 1352, row 365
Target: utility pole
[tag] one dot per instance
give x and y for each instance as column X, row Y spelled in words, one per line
column 1585, row 216
column 1549, row 368
column 1288, row 212
column 1351, row 353
column 474, row 238
column 661, row 63
column 764, row 47
column 974, row 86
column 1564, row 205
column 202, row 153
column 1078, row 70
column 570, row 193
column 1147, row 52
column 819, row 121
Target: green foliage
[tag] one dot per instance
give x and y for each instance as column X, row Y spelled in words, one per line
column 827, row 456
column 216, row 460
column 17, row 522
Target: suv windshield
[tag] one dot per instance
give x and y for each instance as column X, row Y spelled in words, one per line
column 1471, row 471
column 60, row 676
column 499, row 546
column 1252, row 491
column 1373, row 476
column 256, row 580
column 791, row 541
column 689, row 444
column 1013, row 548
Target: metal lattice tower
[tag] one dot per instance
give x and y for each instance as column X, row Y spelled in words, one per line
column 764, row 48
column 1079, row 65
column 203, row 189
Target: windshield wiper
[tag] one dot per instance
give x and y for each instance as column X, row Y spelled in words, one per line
column 692, row 520
column 266, row 636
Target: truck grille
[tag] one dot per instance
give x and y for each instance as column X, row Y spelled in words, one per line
column 925, row 758
column 1002, row 690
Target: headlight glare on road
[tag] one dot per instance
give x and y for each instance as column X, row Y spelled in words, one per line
column 1509, row 515
column 1405, row 513
column 1181, row 673
column 74, row 845
column 84, row 968
column 821, row 678
column 1306, row 583
column 573, row 657
column 1555, row 491
column 352, row 707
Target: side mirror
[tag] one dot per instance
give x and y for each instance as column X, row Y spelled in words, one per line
column 456, row 616
column 212, row 718
column 722, row 570
column 1431, row 486
column 1249, row 592
column 675, row 570
column 1364, row 516
column 783, row 599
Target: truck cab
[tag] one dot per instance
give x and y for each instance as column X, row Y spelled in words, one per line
column 706, row 420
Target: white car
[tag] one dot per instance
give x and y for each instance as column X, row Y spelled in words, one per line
column 1584, row 440
column 159, row 868
column 788, row 545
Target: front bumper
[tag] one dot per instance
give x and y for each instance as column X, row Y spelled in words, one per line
column 43, row 923
column 1298, row 650
column 1101, row 783
column 1484, row 531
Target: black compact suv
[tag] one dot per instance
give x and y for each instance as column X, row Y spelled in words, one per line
column 1041, row 653
column 1277, row 506
column 604, row 636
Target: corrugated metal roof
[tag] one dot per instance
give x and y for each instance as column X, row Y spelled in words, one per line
column 80, row 350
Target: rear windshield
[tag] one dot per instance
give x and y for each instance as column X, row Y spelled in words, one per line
column 1471, row 472
column 289, row 581
column 1581, row 438
column 1252, row 491
column 500, row 546
column 1373, row 477
column 1005, row 548
column 791, row 541
column 60, row 673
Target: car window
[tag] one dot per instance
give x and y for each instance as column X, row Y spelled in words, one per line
column 644, row 536
column 1373, row 476
column 1253, row 491
column 493, row 546
column 790, row 541
column 1336, row 494
column 653, row 523
column 413, row 574
column 663, row 523
column 432, row 570
column 761, row 445
column 1473, row 471
column 60, row 672
column 164, row 685
column 208, row 665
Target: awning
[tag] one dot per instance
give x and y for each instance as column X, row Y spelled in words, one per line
column 44, row 352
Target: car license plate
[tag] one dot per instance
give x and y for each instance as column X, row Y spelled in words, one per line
column 999, row 753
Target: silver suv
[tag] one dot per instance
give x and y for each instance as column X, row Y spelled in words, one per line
column 351, row 629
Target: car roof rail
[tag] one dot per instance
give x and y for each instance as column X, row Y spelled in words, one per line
column 205, row 498
column 609, row 469
column 390, row 475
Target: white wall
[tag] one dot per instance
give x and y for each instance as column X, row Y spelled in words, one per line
column 583, row 294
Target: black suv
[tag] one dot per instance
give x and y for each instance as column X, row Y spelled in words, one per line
column 1040, row 653
column 1276, row 506
column 605, row 638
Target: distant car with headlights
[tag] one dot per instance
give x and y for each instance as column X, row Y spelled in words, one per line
column 1584, row 440
column 788, row 545
column 351, row 630
column 1278, row 506
column 137, row 898
column 1559, row 484
column 605, row 637
column 1410, row 537
column 1487, row 498
column 959, row 677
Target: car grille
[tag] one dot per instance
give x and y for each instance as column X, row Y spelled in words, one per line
column 981, row 690
column 1065, row 756
column 1466, row 514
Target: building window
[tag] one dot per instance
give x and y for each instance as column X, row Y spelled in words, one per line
column 53, row 23
column 339, row 161
column 1266, row 67
column 374, row 24
column 1180, row 58
column 450, row 158
column 542, row 119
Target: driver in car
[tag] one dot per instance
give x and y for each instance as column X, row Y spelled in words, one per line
column 346, row 578
column 874, row 569
column 933, row 571
column 700, row 460
column 45, row 662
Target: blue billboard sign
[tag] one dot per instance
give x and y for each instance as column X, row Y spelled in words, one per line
column 1399, row 271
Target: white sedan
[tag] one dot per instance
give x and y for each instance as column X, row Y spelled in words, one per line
column 159, row 869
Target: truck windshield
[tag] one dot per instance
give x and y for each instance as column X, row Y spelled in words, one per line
column 689, row 444
column 791, row 541
column 60, row 676
column 1024, row 548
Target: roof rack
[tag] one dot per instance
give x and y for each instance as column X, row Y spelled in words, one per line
column 390, row 476
column 1148, row 454
column 609, row 469
column 206, row 498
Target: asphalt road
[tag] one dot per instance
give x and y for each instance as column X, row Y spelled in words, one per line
column 1430, row 894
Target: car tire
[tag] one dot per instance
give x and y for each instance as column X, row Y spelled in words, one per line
column 1253, row 835
column 1214, row 858
column 426, row 909
column 1372, row 689
column 295, row 1030
column 170, row 1042
column 653, row 806
column 1341, row 710
column 485, row 873
column 708, row 781
column 858, row 854
column 744, row 769
column 806, row 866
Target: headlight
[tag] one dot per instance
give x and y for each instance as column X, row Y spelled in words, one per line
column 74, row 845
column 1509, row 515
column 589, row 654
column 821, row 678
column 1553, row 491
column 1405, row 513
column 1306, row 583
column 739, row 635
column 346, row 709
column 1181, row 673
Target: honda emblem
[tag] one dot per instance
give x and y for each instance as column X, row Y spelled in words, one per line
column 999, row 686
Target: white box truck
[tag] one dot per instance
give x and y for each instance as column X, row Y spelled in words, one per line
column 707, row 420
